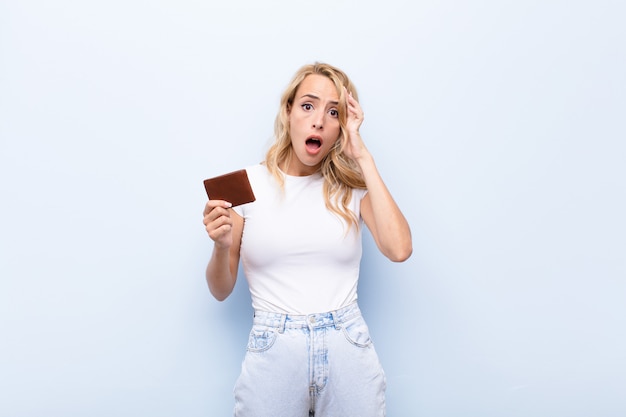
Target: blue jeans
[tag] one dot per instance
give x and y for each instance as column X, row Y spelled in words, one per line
column 321, row 365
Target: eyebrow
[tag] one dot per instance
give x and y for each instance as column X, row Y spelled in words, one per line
column 336, row 103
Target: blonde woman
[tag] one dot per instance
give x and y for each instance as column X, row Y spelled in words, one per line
column 309, row 351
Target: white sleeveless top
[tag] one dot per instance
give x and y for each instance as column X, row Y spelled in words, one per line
column 298, row 257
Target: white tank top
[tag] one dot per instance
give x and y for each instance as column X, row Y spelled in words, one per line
column 298, row 257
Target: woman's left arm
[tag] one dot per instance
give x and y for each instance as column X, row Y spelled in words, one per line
column 380, row 212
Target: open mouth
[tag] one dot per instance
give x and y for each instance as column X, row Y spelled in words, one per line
column 313, row 144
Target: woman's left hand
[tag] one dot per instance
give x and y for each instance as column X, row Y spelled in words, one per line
column 355, row 148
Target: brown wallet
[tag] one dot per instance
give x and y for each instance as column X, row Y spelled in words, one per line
column 233, row 187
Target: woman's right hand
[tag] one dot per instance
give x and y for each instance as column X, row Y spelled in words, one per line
column 218, row 222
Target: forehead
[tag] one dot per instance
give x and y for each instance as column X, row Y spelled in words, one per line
column 318, row 85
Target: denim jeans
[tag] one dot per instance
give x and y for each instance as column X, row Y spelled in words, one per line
column 321, row 365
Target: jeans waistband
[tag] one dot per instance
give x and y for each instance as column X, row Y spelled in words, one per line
column 294, row 321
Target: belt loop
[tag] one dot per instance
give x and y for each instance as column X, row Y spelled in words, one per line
column 281, row 325
column 336, row 320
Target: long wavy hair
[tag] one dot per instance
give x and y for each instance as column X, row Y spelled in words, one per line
column 340, row 173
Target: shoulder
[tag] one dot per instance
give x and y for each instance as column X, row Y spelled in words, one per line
column 359, row 193
column 261, row 182
column 258, row 175
column 256, row 168
column 257, row 172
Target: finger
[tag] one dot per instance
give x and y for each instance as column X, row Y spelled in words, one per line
column 218, row 203
column 349, row 97
column 353, row 106
column 356, row 110
column 221, row 223
column 221, row 231
column 215, row 214
column 211, row 204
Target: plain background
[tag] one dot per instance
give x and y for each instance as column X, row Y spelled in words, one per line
column 498, row 126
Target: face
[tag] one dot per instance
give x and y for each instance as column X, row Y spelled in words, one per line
column 313, row 124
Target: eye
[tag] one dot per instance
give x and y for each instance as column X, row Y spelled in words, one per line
column 334, row 112
column 307, row 106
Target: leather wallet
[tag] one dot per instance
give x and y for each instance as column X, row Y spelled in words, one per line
column 233, row 187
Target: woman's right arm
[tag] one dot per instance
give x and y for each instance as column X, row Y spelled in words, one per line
column 225, row 228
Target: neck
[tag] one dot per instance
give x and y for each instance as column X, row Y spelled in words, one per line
column 296, row 168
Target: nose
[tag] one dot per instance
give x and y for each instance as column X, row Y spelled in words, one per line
column 318, row 120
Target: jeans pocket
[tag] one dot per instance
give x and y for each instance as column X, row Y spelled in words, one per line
column 261, row 338
column 357, row 332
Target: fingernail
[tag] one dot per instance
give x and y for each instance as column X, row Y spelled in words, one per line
column 228, row 205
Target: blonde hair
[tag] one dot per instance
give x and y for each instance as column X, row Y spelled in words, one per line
column 340, row 173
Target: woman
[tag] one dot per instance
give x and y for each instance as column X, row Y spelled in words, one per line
column 309, row 351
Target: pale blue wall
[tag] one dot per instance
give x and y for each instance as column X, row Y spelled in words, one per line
column 499, row 127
